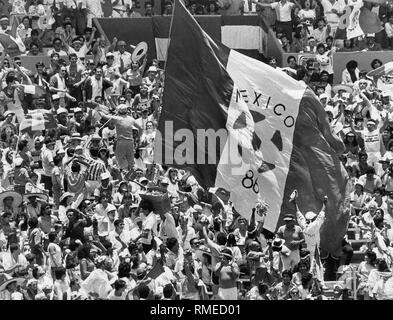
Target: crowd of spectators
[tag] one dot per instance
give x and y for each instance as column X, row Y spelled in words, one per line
column 86, row 213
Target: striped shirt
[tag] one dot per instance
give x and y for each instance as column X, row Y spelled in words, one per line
column 97, row 167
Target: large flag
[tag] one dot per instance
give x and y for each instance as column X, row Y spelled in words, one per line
column 357, row 21
column 38, row 120
column 281, row 141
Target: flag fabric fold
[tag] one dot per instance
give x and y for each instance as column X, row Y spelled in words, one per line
column 277, row 137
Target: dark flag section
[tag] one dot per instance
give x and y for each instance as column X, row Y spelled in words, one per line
column 315, row 171
column 197, row 94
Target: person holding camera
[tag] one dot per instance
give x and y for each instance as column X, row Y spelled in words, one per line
column 228, row 272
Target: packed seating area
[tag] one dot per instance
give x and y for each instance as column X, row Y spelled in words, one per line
column 87, row 214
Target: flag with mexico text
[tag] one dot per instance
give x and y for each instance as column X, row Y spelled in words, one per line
column 271, row 132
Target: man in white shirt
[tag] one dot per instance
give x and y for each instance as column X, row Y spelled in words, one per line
column 97, row 284
column 372, row 139
column 283, row 11
column 311, row 224
column 149, row 224
column 119, row 237
column 120, row 8
column 333, row 9
column 55, row 254
column 122, row 57
column 94, row 10
column 14, row 259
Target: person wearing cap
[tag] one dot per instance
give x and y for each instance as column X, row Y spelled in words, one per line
column 370, row 44
column 110, row 66
column 227, row 272
column 142, row 99
column 151, row 78
column 124, row 124
column 372, row 139
column 21, row 176
column 358, row 198
column 63, row 123
column 106, row 187
column 79, row 122
column 311, row 224
column 4, row 24
column 294, row 238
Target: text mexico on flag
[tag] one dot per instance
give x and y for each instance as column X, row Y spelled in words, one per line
column 241, row 125
column 38, row 120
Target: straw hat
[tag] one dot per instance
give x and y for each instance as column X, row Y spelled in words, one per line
column 344, row 87
column 43, row 196
column 19, row 281
column 13, row 194
column 278, row 243
column 65, row 195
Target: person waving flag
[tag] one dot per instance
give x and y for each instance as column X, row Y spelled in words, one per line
column 238, row 124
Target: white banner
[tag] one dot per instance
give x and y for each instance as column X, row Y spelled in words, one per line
column 273, row 100
column 353, row 29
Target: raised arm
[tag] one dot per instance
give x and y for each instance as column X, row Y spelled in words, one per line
column 262, row 5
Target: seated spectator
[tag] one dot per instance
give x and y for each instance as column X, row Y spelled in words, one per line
column 286, row 46
column 300, row 38
column 371, row 45
column 351, row 73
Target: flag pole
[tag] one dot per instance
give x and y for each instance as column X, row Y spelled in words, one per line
column 169, row 37
column 166, row 55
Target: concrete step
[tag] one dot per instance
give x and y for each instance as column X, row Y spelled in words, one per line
column 357, row 244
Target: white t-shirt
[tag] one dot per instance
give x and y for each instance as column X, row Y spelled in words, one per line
column 372, row 141
column 81, row 53
column 150, row 222
column 283, row 12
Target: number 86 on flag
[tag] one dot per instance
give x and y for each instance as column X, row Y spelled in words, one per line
column 249, row 183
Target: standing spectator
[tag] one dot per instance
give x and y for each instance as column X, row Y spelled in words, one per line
column 294, row 237
column 283, row 11
column 122, row 57
column 94, row 10
column 227, row 272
